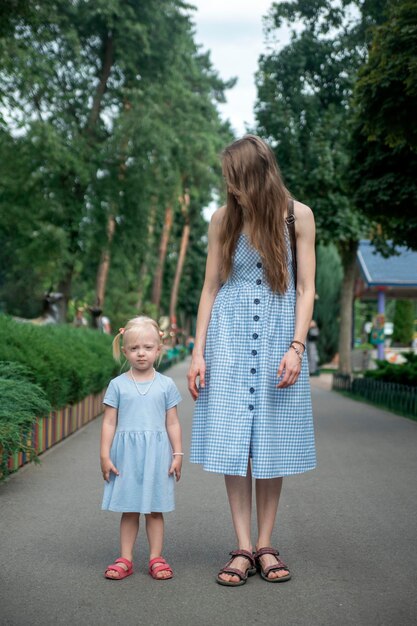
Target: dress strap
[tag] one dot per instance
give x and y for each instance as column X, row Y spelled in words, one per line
column 290, row 220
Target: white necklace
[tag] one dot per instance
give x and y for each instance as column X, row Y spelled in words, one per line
column 142, row 393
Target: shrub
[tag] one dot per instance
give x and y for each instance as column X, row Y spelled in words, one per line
column 21, row 403
column 405, row 374
column 67, row 363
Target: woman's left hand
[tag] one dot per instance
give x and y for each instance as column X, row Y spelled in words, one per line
column 290, row 366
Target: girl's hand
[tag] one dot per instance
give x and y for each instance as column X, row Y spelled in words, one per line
column 107, row 467
column 176, row 467
column 290, row 366
column 197, row 368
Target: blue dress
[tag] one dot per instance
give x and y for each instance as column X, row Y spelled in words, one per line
column 240, row 413
column 141, row 449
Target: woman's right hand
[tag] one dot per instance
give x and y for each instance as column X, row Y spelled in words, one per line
column 197, row 368
column 107, row 467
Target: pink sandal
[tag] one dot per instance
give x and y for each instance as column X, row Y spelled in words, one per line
column 121, row 570
column 163, row 566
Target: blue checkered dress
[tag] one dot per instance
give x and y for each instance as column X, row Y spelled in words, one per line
column 240, row 412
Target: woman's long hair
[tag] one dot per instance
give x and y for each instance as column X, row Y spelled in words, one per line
column 256, row 196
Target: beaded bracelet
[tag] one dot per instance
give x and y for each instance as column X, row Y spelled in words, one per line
column 178, row 454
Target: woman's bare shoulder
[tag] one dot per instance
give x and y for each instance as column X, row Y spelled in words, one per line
column 302, row 211
column 218, row 215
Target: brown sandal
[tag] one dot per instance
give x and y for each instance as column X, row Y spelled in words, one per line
column 251, row 571
column 278, row 566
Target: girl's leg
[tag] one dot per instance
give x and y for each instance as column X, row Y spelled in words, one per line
column 129, row 526
column 239, row 492
column 268, row 492
column 155, row 533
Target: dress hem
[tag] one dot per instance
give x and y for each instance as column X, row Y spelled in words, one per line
column 130, row 510
column 279, row 475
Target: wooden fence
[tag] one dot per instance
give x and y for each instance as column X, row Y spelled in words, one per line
column 56, row 426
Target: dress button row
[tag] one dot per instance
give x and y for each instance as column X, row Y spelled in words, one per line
column 259, row 265
column 256, row 318
column 255, row 335
column 251, row 407
column 256, row 301
column 254, row 352
column 253, row 370
column 252, row 390
column 258, row 282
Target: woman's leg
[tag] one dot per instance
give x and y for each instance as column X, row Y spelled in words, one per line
column 239, row 492
column 268, row 492
column 129, row 526
column 155, row 533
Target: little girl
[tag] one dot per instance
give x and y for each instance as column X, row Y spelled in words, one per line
column 141, row 449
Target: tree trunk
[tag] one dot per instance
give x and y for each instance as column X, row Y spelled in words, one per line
column 106, row 66
column 185, row 201
column 103, row 268
column 163, row 247
column 143, row 274
column 348, row 255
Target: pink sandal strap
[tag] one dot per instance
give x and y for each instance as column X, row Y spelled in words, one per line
column 157, row 559
column 161, row 568
column 125, row 562
column 116, row 568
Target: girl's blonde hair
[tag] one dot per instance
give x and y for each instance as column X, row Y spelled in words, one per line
column 256, row 196
column 134, row 324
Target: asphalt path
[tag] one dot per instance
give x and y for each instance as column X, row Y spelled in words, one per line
column 348, row 530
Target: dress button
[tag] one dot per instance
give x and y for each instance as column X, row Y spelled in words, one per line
column 258, row 282
column 251, row 390
column 254, row 352
column 256, row 301
column 256, row 318
column 255, row 335
column 251, row 407
column 259, row 265
column 253, row 370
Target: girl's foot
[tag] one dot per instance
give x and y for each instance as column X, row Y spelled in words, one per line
column 159, row 569
column 120, row 569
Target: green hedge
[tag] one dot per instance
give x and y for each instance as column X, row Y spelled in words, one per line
column 67, row 363
column 21, row 403
column 405, row 374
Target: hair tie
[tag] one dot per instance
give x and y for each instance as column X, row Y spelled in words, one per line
column 161, row 334
column 122, row 331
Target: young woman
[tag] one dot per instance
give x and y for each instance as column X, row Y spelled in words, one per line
column 253, row 409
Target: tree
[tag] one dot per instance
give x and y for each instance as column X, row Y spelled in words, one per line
column 403, row 322
column 384, row 140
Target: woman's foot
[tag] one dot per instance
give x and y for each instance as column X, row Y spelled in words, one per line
column 271, row 566
column 240, row 561
column 119, row 569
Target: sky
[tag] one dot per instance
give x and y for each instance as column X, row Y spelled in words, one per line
column 233, row 31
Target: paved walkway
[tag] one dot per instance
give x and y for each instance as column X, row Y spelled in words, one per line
column 348, row 530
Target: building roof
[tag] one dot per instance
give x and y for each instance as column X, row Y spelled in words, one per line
column 397, row 275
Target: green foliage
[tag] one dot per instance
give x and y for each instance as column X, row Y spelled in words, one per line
column 107, row 109
column 21, row 403
column 384, row 137
column 405, row 374
column 326, row 309
column 67, row 363
column 403, row 322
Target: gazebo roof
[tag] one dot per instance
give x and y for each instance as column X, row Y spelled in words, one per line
column 397, row 275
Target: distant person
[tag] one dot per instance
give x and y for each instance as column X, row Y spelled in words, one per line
column 312, row 352
column 79, row 319
column 141, row 449
column 190, row 344
column 253, row 413
column 105, row 324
